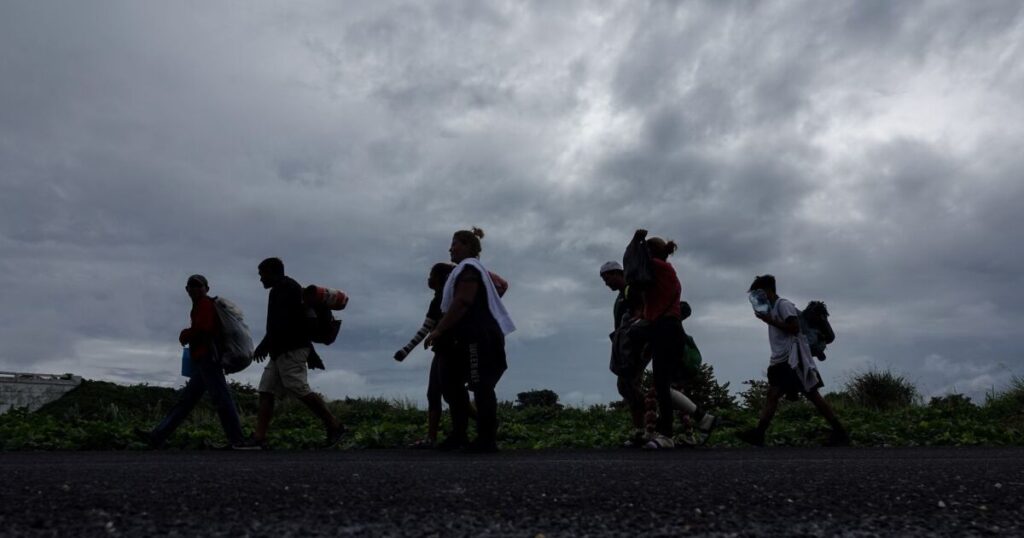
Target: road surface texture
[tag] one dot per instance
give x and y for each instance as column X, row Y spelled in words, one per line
column 750, row 492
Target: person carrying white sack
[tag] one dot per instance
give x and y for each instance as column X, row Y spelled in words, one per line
column 473, row 328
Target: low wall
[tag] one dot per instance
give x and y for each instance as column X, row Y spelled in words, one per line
column 33, row 390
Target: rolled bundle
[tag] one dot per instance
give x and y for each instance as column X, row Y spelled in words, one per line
column 328, row 297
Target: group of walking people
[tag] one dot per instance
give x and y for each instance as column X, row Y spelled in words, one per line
column 465, row 327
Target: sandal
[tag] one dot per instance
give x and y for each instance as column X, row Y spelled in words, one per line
column 422, row 444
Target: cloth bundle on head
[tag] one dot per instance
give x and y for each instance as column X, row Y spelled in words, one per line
column 494, row 303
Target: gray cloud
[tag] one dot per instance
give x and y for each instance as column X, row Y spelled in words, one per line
column 864, row 152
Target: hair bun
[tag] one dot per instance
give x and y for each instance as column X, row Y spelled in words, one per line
column 671, row 247
column 477, row 232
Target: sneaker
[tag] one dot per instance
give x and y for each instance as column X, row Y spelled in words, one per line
column 751, row 437
column 247, row 445
column 838, row 438
column 333, row 436
column 659, row 442
column 707, row 426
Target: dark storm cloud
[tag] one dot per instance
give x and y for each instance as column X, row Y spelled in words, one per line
column 865, row 152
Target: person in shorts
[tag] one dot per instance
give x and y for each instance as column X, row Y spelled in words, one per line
column 287, row 344
column 791, row 369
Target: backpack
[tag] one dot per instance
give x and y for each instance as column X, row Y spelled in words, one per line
column 235, row 343
column 691, row 357
column 323, row 328
column 320, row 301
column 815, row 326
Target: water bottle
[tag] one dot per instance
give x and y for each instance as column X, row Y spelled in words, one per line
column 186, row 362
column 759, row 300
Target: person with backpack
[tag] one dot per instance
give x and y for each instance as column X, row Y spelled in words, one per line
column 791, row 370
column 666, row 339
column 288, row 346
column 628, row 382
column 472, row 331
column 207, row 372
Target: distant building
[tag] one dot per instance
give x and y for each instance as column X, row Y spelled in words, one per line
column 33, row 391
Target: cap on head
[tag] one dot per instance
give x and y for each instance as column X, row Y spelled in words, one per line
column 608, row 267
column 197, row 280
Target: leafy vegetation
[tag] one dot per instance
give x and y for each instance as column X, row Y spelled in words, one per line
column 879, row 408
column 882, row 390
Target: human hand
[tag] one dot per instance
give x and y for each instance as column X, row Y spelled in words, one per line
column 401, row 354
column 183, row 337
column 429, row 340
column 763, row 317
column 640, row 235
column 260, row 354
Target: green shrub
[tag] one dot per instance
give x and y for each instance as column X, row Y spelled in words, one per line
column 537, row 398
column 1010, row 402
column 706, row 392
column 952, row 404
column 754, row 397
column 881, row 390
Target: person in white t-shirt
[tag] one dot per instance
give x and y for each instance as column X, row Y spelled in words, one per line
column 791, row 370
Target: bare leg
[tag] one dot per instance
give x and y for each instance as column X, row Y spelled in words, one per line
column 316, row 404
column 433, row 423
column 826, row 410
column 771, row 404
column 263, row 416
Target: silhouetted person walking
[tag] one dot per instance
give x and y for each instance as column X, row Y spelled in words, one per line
column 791, row 370
column 207, row 373
column 629, row 383
column 473, row 330
column 287, row 344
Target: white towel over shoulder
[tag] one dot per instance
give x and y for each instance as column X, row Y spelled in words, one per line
column 494, row 303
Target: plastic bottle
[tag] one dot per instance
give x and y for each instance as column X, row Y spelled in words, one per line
column 186, row 362
column 759, row 300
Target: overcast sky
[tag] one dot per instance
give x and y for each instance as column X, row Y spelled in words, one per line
column 867, row 153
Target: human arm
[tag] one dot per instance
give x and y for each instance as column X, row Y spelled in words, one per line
column 500, row 284
column 790, row 325
column 464, row 295
column 782, row 316
column 428, row 324
column 262, row 350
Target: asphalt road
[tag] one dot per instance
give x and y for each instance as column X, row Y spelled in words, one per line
column 773, row 491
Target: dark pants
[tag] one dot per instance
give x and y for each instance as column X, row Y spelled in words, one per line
column 206, row 376
column 481, row 366
column 667, row 341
